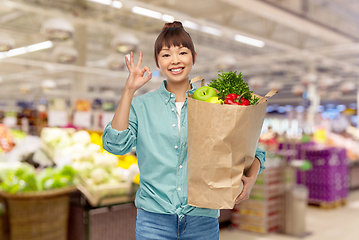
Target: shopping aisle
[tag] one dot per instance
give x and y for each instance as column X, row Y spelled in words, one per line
column 336, row 224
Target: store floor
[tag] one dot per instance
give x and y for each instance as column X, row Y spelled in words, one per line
column 334, row 224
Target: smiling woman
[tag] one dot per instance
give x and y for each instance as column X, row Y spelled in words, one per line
column 170, row 36
column 156, row 123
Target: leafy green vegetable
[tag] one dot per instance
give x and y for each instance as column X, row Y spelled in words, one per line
column 230, row 82
column 25, row 179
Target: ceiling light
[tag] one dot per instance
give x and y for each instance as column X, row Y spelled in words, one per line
column 347, row 87
column 57, row 29
column 16, row 51
column 190, row 24
column 39, row 46
column 23, row 50
column 116, row 4
column 65, row 54
column 211, row 30
column 298, row 89
column 146, row 12
column 249, row 41
column 105, row 2
column 256, row 83
column 225, row 63
column 125, row 43
column 276, row 85
column 167, row 18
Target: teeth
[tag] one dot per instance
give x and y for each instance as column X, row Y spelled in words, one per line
column 176, row 70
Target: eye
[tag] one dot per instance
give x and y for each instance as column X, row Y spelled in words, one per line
column 165, row 55
column 183, row 53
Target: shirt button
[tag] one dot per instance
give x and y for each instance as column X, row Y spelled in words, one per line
column 173, row 109
column 171, row 95
column 180, row 166
column 179, row 188
column 173, row 125
column 166, row 100
column 176, row 146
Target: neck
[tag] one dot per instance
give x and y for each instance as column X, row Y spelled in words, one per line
column 179, row 89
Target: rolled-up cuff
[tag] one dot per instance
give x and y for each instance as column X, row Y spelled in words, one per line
column 261, row 155
column 118, row 142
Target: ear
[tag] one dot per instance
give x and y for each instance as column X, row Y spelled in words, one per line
column 195, row 58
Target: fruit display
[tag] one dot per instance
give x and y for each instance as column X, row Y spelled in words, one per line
column 84, row 151
column 23, row 177
column 7, row 141
column 100, row 173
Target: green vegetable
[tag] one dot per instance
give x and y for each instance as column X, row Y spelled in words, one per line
column 25, row 179
column 230, row 82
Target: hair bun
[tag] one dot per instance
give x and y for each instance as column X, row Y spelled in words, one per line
column 175, row 24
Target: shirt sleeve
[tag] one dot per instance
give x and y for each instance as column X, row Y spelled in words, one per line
column 261, row 155
column 121, row 142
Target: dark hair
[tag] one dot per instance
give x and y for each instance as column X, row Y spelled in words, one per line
column 173, row 34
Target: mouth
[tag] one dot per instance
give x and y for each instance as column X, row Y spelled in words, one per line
column 176, row 70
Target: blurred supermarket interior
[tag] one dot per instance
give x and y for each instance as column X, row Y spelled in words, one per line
column 62, row 73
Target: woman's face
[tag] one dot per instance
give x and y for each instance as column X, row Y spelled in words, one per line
column 175, row 63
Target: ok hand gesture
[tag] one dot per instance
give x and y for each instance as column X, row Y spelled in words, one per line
column 136, row 77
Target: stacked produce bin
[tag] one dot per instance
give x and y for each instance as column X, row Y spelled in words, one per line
column 263, row 210
column 328, row 180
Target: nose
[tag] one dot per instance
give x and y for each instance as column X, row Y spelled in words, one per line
column 175, row 60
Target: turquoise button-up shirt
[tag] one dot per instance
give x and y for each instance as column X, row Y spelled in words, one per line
column 161, row 153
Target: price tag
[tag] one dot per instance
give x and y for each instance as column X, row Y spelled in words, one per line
column 106, row 118
column 82, row 119
column 57, row 118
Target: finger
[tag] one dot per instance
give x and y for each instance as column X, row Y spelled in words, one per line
column 146, row 69
column 241, row 197
column 127, row 63
column 132, row 60
column 140, row 60
column 149, row 76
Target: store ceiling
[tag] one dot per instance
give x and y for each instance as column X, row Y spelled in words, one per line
column 300, row 36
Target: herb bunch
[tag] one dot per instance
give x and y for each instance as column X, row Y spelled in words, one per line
column 230, row 82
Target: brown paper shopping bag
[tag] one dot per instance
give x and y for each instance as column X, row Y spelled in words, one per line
column 222, row 141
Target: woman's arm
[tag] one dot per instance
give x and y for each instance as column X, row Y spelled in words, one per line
column 134, row 81
column 250, row 176
column 121, row 117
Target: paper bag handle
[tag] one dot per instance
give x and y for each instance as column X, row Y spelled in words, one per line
column 270, row 94
column 196, row 79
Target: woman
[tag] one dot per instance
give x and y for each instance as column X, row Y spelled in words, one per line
column 156, row 123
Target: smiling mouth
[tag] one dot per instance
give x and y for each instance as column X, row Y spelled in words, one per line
column 176, row 70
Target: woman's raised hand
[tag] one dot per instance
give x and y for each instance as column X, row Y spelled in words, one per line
column 136, row 77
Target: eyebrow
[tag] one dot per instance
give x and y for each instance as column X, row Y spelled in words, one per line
column 167, row 48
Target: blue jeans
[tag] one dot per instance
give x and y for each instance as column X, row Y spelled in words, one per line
column 156, row 226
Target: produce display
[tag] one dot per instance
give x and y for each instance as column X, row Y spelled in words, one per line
column 229, row 88
column 101, row 174
column 85, row 153
column 24, row 178
column 6, row 139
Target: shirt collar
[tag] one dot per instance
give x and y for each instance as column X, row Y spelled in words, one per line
column 166, row 95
